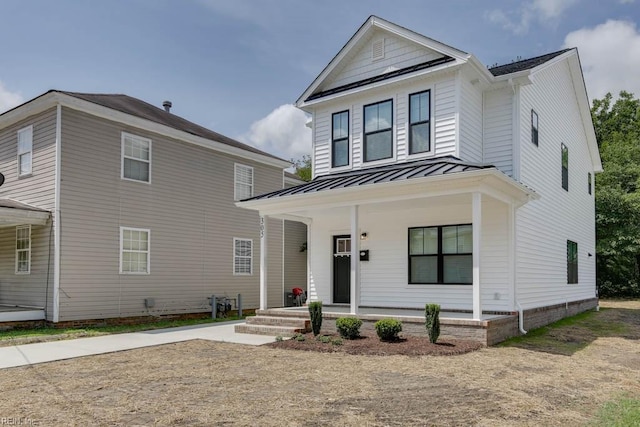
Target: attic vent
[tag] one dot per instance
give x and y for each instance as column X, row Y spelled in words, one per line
column 377, row 50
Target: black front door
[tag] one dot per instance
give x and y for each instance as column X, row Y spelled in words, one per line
column 341, row 269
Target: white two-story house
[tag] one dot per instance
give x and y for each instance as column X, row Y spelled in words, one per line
column 437, row 180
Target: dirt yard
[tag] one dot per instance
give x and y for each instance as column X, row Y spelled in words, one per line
column 206, row 383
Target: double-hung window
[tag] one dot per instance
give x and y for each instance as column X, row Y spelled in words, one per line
column 565, row 167
column 572, row 262
column 23, row 249
column 25, row 150
column 340, row 139
column 441, row 255
column 419, row 122
column 534, row 127
column 378, row 133
column 242, row 256
column 243, row 187
column 136, row 158
column 134, row 250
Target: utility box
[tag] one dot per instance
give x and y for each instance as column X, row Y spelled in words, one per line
column 289, row 299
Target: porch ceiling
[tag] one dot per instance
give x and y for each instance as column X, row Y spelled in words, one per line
column 13, row 213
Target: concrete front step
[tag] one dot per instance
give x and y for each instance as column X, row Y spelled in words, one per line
column 283, row 313
column 283, row 331
column 279, row 321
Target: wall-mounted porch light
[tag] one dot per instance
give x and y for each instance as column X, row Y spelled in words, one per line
column 363, row 236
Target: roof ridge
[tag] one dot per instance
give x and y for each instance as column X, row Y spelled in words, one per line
column 553, row 54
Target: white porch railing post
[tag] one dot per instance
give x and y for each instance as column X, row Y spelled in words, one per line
column 355, row 261
column 477, row 235
column 263, row 262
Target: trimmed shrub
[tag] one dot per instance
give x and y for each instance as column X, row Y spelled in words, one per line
column 388, row 329
column 349, row 327
column 432, row 321
column 336, row 341
column 315, row 312
column 323, row 339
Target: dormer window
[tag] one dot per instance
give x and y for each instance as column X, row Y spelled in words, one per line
column 340, row 139
column 419, row 124
column 378, row 135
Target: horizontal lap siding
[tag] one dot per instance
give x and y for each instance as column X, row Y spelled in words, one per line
column 498, row 130
column 470, row 121
column 399, row 53
column 444, row 118
column 384, row 277
column 188, row 207
column 37, row 190
column 295, row 261
column 545, row 225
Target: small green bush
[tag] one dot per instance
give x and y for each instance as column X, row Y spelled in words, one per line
column 279, row 338
column 298, row 337
column 323, row 339
column 315, row 312
column 336, row 341
column 349, row 327
column 432, row 321
column 388, row 329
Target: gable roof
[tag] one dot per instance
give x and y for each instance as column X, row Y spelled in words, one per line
column 140, row 114
column 525, row 64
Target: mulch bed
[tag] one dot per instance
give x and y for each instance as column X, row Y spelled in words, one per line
column 371, row 345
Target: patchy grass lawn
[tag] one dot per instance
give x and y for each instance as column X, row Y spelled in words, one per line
column 208, row 383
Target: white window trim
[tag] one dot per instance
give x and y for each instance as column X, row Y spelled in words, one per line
column 30, row 130
column 122, row 156
column 432, row 131
column 235, row 179
column 238, row 239
column 22, row 227
column 135, row 273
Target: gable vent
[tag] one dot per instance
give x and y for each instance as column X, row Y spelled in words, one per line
column 377, row 50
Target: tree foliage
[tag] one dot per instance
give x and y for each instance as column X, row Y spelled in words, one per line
column 617, row 127
column 303, row 167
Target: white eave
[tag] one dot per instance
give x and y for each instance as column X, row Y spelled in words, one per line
column 53, row 98
column 11, row 217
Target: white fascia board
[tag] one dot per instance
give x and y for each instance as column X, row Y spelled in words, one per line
column 12, row 216
column 440, row 69
column 30, row 108
column 441, row 185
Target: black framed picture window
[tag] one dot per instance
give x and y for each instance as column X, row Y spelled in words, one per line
column 565, row 167
column 534, row 127
column 378, row 131
column 572, row 262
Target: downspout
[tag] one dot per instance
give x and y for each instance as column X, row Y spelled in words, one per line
column 56, row 218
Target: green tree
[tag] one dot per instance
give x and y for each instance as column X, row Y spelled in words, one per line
column 303, row 167
column 617, row 127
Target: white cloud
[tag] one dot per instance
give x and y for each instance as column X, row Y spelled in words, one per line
column 9, row 99
column 546, row 12
column 610, row 57
column 283, row 132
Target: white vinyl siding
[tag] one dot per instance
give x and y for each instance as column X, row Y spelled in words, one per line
column 23, row 249
column 136, row 158
column 242, row 256
column 134, row 250
column 243, row 188
column 25, row 150
column 470, row 120
column 498, row 130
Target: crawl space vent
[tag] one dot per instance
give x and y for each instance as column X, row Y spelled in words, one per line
column 377, row 50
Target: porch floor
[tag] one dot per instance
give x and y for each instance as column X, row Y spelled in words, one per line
column 392, row 312
column 16, row 313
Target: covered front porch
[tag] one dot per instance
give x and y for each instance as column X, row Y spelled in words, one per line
column 401, row 236
column 26, row 261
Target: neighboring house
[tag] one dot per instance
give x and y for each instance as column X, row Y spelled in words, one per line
column 437, row 180
column 112, row 207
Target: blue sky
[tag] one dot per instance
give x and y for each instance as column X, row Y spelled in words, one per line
column 236, row 66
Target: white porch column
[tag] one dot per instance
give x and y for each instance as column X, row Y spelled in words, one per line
column 263, row 262
column 355, row 261
column 477, row 234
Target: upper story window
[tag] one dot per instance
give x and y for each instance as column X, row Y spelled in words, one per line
column 572, row 262
column 23, row 249
column 378, row 135
column 589, row 181
column 441, row 255
column 534, row 127
column 419, row 124
column 134, row 250
column 340, row 139
column 25, row 150
column 565, row 167
column 243, row 182
column 136, row 158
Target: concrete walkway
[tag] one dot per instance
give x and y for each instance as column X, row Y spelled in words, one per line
column 29, row 354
